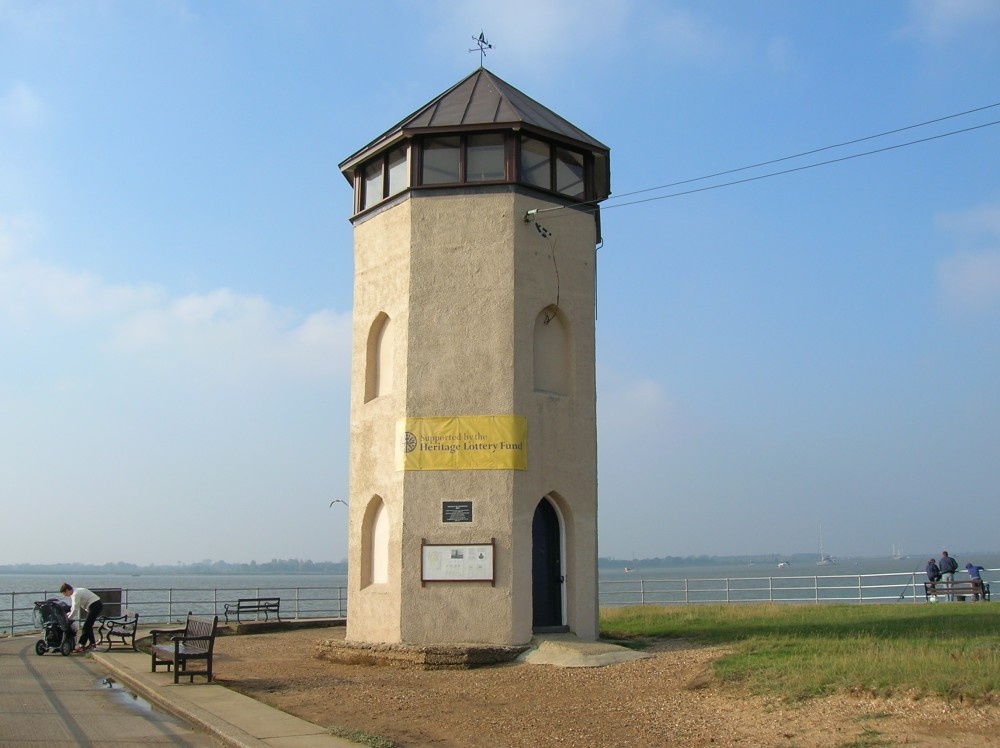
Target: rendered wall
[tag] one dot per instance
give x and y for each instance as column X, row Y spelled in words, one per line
column 463, row 279
column 381, row 284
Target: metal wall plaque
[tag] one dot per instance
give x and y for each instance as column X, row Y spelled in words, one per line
column 456, row 511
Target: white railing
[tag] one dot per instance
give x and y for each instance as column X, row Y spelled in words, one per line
column 169, row 605
column 838, row 588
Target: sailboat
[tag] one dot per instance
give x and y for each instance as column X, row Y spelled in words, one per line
column 897, row 553
column 824, row 559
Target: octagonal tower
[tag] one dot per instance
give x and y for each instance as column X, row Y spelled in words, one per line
column 473, row 458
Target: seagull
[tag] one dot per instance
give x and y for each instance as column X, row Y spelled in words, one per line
column 338, row 501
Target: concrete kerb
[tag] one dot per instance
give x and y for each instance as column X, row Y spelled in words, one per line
column 162, row 692
column 232, row 718
column 238, row 720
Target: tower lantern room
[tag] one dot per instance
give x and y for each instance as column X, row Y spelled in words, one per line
column 481, row 132
column 473, row 466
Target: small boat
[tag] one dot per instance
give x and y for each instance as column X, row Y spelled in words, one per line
column 628, row 569
column 824, row 558
column 783, row 564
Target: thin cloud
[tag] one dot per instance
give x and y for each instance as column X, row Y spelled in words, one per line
column 633, row 412
column 686, row 37
column 681, row 35
column 34, row 293
column 979, row 223
column 20, row 107
column 223, row 332
column 15, row 231
column 969, row 278
column 943, row 21
column 970, row 281
column 540, row 37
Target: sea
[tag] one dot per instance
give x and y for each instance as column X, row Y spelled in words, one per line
column 245, row 584
column 248, row 584
column 796, row 567
column 166, row 595
column 163, row 597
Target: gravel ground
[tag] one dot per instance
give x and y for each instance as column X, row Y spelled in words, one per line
column 667, row 700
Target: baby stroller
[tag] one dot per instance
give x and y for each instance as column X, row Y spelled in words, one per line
column 57, row 631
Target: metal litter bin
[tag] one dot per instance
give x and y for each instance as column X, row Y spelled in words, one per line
column 112, row 599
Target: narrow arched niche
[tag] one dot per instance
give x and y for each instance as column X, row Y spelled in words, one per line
column 375, row 544
column 552, row 349
column 379, row 358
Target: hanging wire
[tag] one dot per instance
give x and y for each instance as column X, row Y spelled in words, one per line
column 589, row 203
column 794, row 169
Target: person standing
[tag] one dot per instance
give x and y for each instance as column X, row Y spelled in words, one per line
column 933, row 575
column 948, row 568
column 83, row 600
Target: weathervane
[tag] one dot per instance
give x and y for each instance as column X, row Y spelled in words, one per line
column 483, row 44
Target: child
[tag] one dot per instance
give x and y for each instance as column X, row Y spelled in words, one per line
column 974, row 576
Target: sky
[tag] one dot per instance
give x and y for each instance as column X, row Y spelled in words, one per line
column 813, row 354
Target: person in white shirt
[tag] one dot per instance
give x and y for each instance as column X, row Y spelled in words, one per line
column 83, row 600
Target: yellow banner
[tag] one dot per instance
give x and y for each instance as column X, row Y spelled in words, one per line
column 462, row 443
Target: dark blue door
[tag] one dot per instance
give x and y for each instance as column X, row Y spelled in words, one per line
column 546, row 568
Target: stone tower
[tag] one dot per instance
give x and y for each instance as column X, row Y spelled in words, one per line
column 473, row 464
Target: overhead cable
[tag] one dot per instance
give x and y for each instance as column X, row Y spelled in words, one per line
column 815, row 150
column 530, row 215
column 793, row 169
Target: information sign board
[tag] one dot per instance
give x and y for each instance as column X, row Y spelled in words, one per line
column 457, row 562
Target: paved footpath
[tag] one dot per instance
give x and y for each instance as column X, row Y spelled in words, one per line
column 111, row 699
column 54, row 700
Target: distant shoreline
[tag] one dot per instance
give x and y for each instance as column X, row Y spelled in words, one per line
column 219, row 568
column 294, row 566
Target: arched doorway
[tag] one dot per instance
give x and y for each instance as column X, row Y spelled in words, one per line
column 546, row 569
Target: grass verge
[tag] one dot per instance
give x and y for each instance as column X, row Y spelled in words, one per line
column 363, row 738
column 800, row 651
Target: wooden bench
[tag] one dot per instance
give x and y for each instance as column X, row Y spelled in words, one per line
column 196, row 641
column 974, row 588
column 255, row 605
column 122, row 628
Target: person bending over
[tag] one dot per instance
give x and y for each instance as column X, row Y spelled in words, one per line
column 83, row 600
column 977, row 580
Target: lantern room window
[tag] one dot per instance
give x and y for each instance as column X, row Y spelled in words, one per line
column 383, row 177
column 569, row 173
column 485, row 158
column 372, row 184
column 442, row 160
column 477, row 158
column 553, row 168
column 536, row 164
column 399, row 175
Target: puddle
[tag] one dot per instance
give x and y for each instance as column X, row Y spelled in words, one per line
column 161, row 721
column 123, row 696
